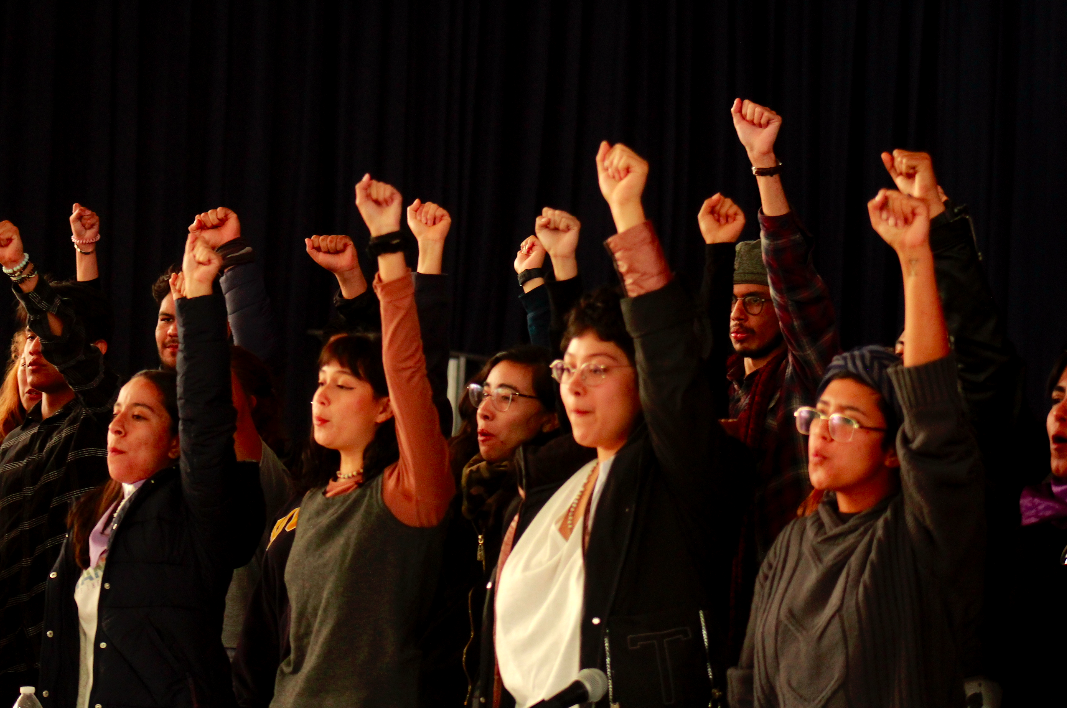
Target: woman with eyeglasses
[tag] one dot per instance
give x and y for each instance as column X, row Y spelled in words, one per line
column 613, row 559
column 867, row 601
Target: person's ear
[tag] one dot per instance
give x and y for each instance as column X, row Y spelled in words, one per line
column 175, row 450
column 551, row 423
column 385, row 410
column 101, row 344
column 891, row 459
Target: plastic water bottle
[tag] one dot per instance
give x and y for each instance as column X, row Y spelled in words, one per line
column 27, row 699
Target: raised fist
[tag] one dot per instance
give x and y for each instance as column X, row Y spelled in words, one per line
column 217, row 226
column 757, row 128
column 429, row 222
column 558, row 232
column 379, row 204
column 200, row 265
column 85, row 226
column 621, row 173
column 10, row 245
column 177, row 285
column 531, row 255
column 335, row 253
column 902, row 221
column 913, row 173
column 720, row 220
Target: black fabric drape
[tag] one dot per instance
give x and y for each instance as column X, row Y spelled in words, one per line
column 151, row 112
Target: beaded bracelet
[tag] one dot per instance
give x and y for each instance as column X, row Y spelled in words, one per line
column 85, row 241
column 22, row 264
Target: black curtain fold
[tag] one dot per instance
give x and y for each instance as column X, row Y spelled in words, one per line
column 152, row 112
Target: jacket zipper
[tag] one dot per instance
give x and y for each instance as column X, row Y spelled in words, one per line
column 481, row 550
column 466, row 648
column 607, row 665
column 716, row 694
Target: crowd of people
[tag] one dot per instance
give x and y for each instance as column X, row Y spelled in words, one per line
column 697, row 493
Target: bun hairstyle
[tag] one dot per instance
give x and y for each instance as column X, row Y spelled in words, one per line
column 95, row 503
column 362, row 355
column 600, row 312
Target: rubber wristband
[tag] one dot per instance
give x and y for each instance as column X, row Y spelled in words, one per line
column 529, row 274
column 389, row 243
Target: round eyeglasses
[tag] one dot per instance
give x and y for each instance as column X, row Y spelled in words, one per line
column 753, row 304
column 589, row 373
column 501, row 397
column 842, row 428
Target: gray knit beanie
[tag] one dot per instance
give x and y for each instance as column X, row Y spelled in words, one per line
column 748, row 264
column 869, row 364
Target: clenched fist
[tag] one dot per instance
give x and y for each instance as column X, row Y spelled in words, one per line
column 335, row 253
column 379, row 204
column 531, row 255
column 428, row 222
column 217, row 226
column 902, row 221
column 10, row 245
column 558, row 232
column 913, row 173
column 720, row 220
column 757, row 129
column 85, row 227
column 622, row 173
column 200, row 265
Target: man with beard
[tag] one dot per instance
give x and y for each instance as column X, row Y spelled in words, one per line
column 782, row 329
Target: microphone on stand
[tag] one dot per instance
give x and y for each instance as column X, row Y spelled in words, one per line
column 589, row 687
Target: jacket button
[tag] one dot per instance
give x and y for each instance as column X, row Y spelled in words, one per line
column 98, row 706
column 103, row 645
column 596, row 620
column 107, row 586
column 48, row 634
column 44, row 693
column 114, row 526
column 53, row 574
column 489, row 585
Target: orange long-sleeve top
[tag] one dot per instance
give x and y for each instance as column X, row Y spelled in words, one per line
column 418, row 487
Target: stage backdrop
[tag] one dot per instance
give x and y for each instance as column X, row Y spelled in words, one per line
column 151, row 112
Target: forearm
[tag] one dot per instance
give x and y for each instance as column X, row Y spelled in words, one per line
column 249, row 311
column 538, row 316
column 86, row 265
column 564, row 267
column 927, row 338
column 431, row 257
column 419, row 488
column 434, row 305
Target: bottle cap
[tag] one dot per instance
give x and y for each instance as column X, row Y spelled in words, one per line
column 27, row 690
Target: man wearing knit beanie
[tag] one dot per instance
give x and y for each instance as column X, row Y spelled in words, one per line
column 782, row 326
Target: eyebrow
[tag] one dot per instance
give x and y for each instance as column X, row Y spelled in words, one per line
column 824, row 402
column 502, row 385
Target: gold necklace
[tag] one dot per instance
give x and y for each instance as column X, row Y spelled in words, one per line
column 573, row 508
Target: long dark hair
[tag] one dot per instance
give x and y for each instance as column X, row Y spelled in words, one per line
column 362, row 355
column 87, row 511
column 464, row 444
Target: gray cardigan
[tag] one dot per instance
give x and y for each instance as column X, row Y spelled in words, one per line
column 868, row 611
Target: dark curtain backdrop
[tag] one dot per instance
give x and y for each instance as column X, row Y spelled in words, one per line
column 152, row 112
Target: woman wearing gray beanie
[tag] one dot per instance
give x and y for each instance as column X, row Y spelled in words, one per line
column 864, row 601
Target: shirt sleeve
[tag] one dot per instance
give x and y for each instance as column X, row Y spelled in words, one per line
column 419, row 487
column 801, row 298
column 248, row 309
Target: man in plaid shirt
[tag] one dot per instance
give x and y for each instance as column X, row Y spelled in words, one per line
column 782, row 329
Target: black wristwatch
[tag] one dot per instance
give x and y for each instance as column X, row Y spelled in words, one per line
column 387, row 243
column 767, row 171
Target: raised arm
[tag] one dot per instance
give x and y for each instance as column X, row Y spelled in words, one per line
column 721, row 223
column 64, row 342
column 661, row 318
column 247, row 304
column 85, row 233
column 534, row 298
column 801, row 299
column 224, row 498
column 940, row 467
column 419, row 488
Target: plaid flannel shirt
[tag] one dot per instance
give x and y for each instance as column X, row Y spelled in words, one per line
column 806, row 316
